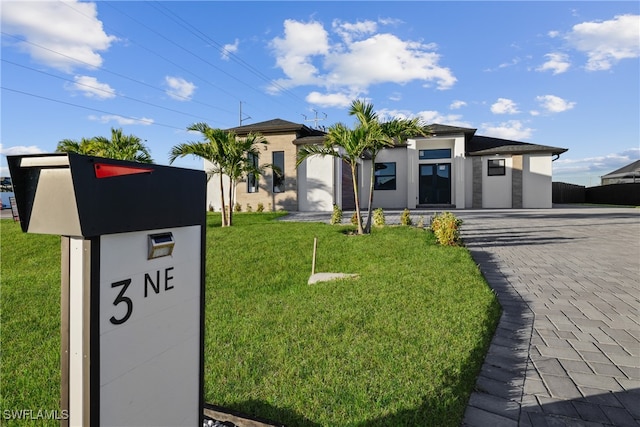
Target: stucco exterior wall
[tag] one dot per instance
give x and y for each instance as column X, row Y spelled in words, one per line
column 536, row 181
column 496, row 190
column 387, row 199
column 316, row 184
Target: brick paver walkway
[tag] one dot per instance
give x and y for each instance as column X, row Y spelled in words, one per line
column 567, row 349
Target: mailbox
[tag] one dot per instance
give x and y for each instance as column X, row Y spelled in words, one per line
column 132, row 296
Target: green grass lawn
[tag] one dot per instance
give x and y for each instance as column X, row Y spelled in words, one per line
column 400, row 346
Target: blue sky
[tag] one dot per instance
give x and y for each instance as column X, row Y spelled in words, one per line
column 564, row 74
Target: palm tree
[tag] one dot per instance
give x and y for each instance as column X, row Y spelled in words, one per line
column 239, row 162
column 121, row 147
column 211, row 149
column 381, row 135
column 346, row 144
column 84, row 146
column 230, row 155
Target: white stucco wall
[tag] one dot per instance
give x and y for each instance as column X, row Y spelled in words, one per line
column 316, row 184
column 496, row 190
column 387, row 199
column 536, row 181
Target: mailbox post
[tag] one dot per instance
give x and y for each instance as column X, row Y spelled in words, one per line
column 132, row 296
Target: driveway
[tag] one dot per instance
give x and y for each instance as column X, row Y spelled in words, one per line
column 567, row 348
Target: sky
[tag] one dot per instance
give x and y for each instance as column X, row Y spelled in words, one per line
column 564, row 74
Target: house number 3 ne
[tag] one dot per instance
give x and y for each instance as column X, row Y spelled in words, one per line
column 148, row 282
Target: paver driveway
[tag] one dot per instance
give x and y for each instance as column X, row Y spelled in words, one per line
column 567, row 349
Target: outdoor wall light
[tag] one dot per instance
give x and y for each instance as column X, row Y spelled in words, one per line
column 160, row 245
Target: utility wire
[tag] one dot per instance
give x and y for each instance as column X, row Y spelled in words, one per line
column 103, row 90
column 146, row 121
column 113, row 72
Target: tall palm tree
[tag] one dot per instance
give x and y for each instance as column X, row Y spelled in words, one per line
column 344, row 143
column 381, row 135
column 229, row 155
column 121, row 147
column 211, row 149
column 239, row 162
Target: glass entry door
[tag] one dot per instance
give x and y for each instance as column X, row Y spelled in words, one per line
column 435, row 184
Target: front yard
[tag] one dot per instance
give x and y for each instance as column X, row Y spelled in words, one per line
column 401, row 345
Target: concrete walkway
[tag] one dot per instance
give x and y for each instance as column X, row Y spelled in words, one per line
column 567, row 348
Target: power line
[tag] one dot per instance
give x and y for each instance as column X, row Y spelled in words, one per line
column 147, row 121
column 103, row 90
column 113, row 72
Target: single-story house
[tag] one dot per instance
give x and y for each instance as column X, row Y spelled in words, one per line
column 626, row 174
column 453, row 168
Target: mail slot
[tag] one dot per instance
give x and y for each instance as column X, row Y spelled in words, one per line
column 132, row 288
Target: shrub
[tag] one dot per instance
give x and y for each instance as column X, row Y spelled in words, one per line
column 336, row 216
column 446, row 228
column 405, row 218
column 249, row 208
column 354, row 219
column 237, row 207
column 378, row 218
column 260, row 207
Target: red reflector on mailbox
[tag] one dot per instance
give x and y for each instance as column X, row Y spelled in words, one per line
column 104, row 170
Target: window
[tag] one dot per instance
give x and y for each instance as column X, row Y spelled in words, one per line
column 252, row 179
column 440, row 153
column 278, row 171
column 496, row 167
column 385, row 176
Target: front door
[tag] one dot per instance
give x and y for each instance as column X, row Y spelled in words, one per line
column 435, row 184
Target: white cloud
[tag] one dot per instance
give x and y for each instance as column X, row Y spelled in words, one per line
column 554, row 104
column 70, row 33
column 179, row 88
column 18, row 150
column 597, row 164
column 295, row 52
column 120, row 120
column 557, row 63
column 229, row 48
column 504, row 106
column 329, row 99
column 92, row 88
column 455, row 105
column 513, row 129
column 607, row 42
column 349, row 31
column 361, row 58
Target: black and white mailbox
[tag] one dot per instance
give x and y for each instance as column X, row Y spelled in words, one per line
column 132, row 306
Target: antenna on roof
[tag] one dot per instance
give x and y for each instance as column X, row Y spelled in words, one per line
column 316, row 119
column 241, row 119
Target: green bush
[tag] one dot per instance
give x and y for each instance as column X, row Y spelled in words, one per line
column 237, row 207
column 446, row 228
column 405, row 218
column 260, row 207
column 378, row 218
column 354, row 219
column 336, row 216
column 249, row 208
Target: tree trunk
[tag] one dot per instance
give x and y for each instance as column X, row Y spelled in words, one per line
column 231, row 198
column 224, row 210
column 367, row 228
column 355, row 193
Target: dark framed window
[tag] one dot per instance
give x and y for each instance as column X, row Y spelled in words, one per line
column 439, row 153
column 277, row 161
column 252, row 179
column 385, row 176
column 496, row 167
